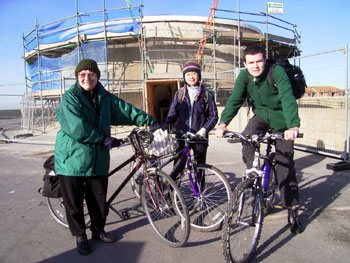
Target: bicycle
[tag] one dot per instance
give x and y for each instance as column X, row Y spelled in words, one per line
column 159, row 195
column 207, row 200
column 252, row 199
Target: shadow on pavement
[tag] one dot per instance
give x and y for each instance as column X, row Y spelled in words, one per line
column 316, row 195
column 115, row 252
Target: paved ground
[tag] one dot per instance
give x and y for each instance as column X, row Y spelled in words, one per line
column 28, row 233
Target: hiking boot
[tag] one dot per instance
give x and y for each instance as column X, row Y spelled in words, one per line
column 104, row 236
column 294, row 221
column 83, row 245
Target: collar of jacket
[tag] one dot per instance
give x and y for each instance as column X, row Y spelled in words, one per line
column 201, row 90
column 78, row 91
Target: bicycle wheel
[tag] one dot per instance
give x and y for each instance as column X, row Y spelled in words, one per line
column 160, row 197
column 242, row 226
column 58, row 211
column 207, row 210
column 270, row 197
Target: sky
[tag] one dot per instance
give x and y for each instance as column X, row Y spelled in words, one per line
column 323, row 25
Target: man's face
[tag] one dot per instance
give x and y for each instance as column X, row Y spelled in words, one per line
column 192, row 78
column 255, row 64
column 87, row 79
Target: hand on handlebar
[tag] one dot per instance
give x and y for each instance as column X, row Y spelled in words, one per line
column 220, row 130
column 291, row 134
column 112, row 142
column 202, row 133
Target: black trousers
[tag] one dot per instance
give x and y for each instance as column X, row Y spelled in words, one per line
column 285, row 170
column 94, row 189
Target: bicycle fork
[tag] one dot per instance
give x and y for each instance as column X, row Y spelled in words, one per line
column 192, row 174
column 160, row 191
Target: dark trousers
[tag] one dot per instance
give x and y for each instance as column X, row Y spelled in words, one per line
column 200, row 155
column 285, row 170
column 94, row 189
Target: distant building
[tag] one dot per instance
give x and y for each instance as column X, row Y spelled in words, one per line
column 323, row 91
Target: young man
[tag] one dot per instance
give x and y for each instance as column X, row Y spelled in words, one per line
column 276, row 109
column 82, row 149
column 194, row 109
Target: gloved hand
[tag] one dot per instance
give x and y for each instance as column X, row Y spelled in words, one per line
column 111, row 142
column 202, row 133
column 155, row 126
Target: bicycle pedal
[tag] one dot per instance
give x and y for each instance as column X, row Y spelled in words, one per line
column 278, row 206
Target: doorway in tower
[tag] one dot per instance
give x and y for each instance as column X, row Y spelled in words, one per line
column 159, row 94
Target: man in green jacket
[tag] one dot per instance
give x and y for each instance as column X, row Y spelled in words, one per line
column 82, row 147
column 275, row 109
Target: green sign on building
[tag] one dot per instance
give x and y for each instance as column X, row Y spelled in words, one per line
column 275, row 8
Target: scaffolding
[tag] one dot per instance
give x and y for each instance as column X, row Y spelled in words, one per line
column 133, row 51
column 52, row 51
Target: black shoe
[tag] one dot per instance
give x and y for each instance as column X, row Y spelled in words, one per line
column 294, row 221
column 104, row 237
column 83, row 245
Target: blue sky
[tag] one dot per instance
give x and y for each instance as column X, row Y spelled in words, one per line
column 323, row 25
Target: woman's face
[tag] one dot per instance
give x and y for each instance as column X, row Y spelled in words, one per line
column 87, row 79
column 192, row 78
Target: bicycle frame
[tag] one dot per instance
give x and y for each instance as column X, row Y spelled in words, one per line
column 127, row 179
column 131, row 174
column 184, row 156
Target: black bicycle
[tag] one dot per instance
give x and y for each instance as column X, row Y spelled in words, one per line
column 252, row 198
column 160, row 195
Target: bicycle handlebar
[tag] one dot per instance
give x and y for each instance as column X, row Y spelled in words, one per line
column 191, row 137
column 235, row 137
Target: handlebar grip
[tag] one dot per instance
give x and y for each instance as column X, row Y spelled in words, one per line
column 233, row 140
column 124, row 140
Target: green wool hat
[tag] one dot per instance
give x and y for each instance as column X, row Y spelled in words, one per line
column 88, row 64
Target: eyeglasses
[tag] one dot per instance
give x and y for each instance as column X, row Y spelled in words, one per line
column 89, row 75
column 191, row 73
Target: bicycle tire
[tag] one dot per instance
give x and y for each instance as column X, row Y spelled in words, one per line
column 269, row 199
column 160, row 197
column 208, row 211
column 58, row 212
column 242, row 227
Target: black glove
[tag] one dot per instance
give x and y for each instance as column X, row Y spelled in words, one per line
column 155, row 126
column 111, row 142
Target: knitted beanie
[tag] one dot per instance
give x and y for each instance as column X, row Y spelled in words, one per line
column 191, row 66
column 88, row 64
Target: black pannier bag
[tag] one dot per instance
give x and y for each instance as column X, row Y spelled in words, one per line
column 51, row 186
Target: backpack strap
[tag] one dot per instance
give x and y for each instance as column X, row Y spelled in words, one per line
column 180, row 94
column 248, row 98
column 270, row 78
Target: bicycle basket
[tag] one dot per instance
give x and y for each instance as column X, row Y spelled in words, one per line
column 140, row 140
column 163, row 144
